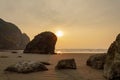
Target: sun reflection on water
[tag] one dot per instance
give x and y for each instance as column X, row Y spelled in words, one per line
column 59, row 52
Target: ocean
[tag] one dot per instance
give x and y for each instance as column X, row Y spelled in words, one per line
column 81, row 50
column 62, row 51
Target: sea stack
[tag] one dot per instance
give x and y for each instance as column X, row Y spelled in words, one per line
column 11, row 36
column 43, row 43
column 112, row 63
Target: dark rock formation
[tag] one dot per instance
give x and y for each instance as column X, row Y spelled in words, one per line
column 25, row 41
column 66, row 64
column 97, row 61
column 26, row 67
column 11, row 37
column 42, row 43
column 112, row 63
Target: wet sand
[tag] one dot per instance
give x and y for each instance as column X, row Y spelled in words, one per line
column 83, row 72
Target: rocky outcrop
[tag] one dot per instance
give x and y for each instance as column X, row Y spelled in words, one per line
column 25, row 41
column 112, row 63
column 43, row 43
column 11, row 36
column 26, row 67
column 66, row 64
column 96, row 61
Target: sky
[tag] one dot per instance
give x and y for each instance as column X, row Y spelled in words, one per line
column 85, row 23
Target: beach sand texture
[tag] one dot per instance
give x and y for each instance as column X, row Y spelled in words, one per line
column 83, row 72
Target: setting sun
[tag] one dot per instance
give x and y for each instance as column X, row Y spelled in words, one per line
column 59, row 33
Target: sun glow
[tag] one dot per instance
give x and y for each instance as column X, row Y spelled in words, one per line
column 59, row 52
column 59, row 33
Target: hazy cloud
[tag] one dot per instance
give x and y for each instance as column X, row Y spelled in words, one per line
column 78, row 12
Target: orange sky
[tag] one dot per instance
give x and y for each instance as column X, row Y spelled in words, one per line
column 85, row 23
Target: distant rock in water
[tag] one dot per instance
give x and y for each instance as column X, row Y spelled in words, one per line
column 97, row 61
column 43, row 43
column 112, row 63
column 11, row 37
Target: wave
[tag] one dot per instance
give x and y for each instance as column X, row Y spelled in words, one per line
column 81, row 50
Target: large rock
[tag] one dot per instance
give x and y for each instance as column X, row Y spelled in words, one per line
column 112, row 63
column 97, row 61
column 66, row 64
column 26, row 67
column 42, row 43
column 25, row 41
column 11, row 37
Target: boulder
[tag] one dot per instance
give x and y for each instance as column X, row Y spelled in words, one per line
column 66, row 64
column 11, row 36
column 43, row 43
column 112, row 62
column 96, row 61
column 26, row 67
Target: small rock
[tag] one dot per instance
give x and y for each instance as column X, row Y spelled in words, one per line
column 66, row 64
column 19, row 56
column 14, row 52
column 3, row 56
column 97, row 61
column 26, row 67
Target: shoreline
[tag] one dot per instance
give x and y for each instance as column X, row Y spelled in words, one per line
column 19, row 51
column 83, row 72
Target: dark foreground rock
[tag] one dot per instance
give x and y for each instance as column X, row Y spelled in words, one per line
column 26, row 67
column 11, row 36
column 97, row 61
column 66, row 64
column 112, row 63
column 43, row 43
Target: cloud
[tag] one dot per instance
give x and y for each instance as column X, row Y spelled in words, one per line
column 58, row 12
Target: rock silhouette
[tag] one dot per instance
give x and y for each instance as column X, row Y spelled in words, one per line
column 97, row 61
column 112, row 63
column 11, row 36
column 43, row 43
column 25, row 40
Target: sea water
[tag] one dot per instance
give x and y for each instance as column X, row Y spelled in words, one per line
column 62, row 51
column 81, row 50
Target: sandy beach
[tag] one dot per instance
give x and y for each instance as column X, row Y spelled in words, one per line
column 83, row 72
